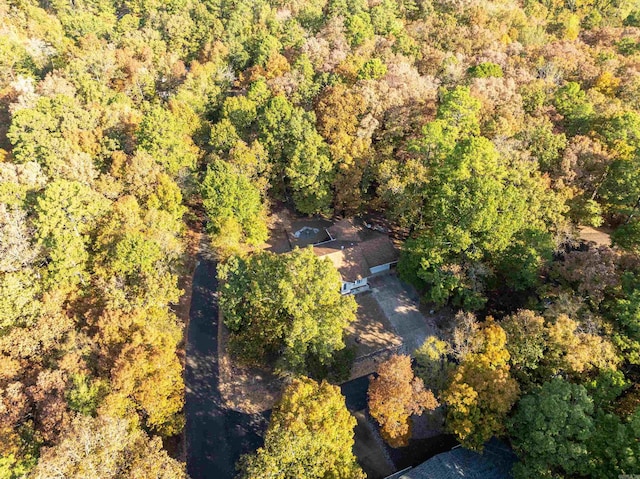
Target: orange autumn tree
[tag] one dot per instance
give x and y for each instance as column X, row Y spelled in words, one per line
column 394, row 396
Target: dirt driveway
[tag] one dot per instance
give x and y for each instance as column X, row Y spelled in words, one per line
column 399, row 302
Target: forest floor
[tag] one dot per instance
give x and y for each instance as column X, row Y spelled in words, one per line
column 243, row 388
column 599, row 236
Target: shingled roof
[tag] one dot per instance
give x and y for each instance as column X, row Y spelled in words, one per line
column 346, row 230
column 495, row 462
column 354, row 250
column 347, row 259
column 378, row 250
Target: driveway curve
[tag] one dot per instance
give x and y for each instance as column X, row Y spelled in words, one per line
column 216, row 437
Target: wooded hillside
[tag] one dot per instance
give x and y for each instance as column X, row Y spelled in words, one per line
column 486, row 132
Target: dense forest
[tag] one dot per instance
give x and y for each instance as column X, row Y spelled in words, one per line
column 486, row 132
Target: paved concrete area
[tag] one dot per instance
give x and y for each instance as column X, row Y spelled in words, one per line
column 399, row 302
column 371, row 331
column 372, row 336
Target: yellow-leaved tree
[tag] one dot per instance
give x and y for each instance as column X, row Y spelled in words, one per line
column 310, row 436
column 482, row 391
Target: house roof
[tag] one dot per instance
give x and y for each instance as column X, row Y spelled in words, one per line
column 346, row 257
column 345, row 230
column 495, row 462
column 378, row 250
column 353, row 257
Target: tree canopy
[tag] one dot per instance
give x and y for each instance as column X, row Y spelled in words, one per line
column 286, row 305
column 233, row 204
column 310, row 435
column 477, row 207
column 485, row 136
column 395, row 394
column 481, row 391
